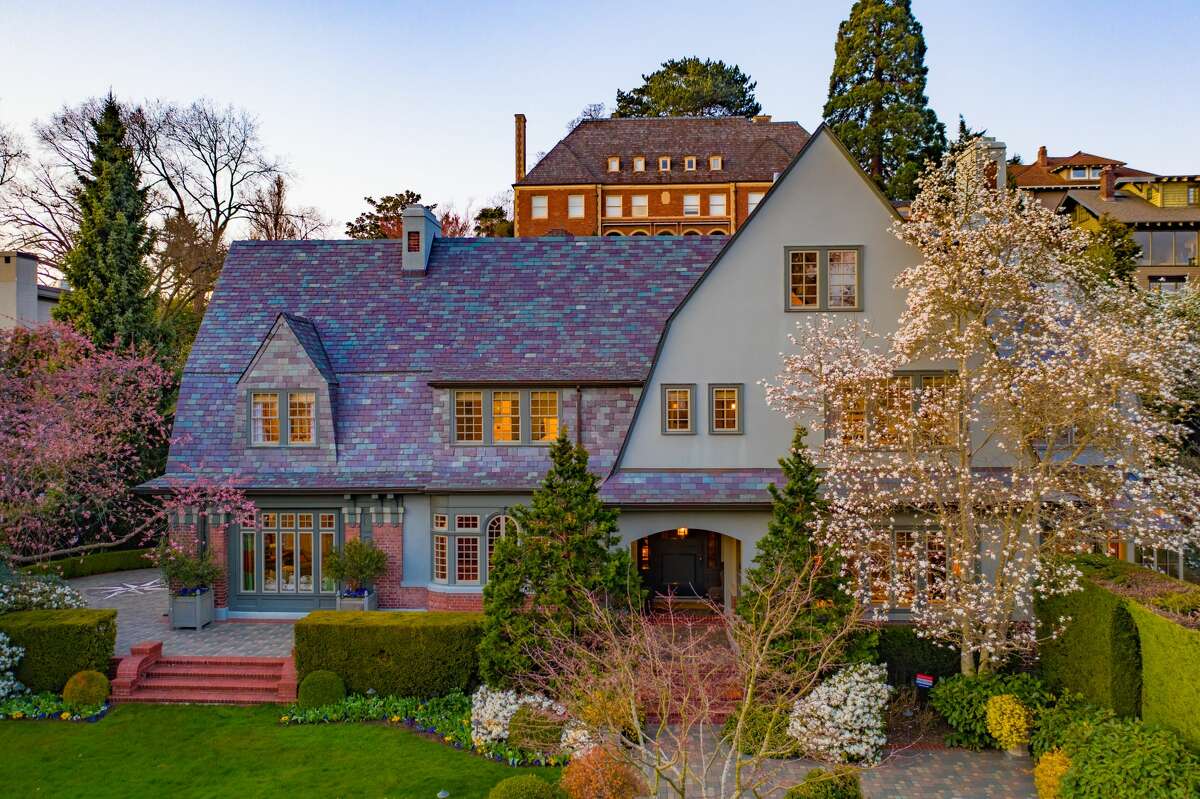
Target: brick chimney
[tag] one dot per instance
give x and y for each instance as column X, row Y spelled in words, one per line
column 519, row 120
column 421, row 227
column 1041, row 159
column 761, row 118
column 1108, row 184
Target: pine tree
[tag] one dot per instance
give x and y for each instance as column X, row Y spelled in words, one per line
column 563, row 548
column 877, row 104
column 110, row 300
column 689, row 87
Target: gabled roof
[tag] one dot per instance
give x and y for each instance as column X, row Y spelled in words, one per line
column 751, row 151
column 1080, row 158
column 1055, row 172
column 305, row 333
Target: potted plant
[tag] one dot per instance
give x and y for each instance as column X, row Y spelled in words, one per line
column 356, row 566
column 190, row 579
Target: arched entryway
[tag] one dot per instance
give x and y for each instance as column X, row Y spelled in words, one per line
column 689, row 564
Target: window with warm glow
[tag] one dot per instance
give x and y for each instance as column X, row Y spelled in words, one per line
column 543, row 415
column 441, row 547
column 640, row 205
column 506, row 416
column 843, row 279
column 716, row 205
column 468, row 416
column 802, row 278
column 466, row 559
column 891, row 411
column 466, row 521
column 441, row 521
column 264, row 419
column 539, row 205
column 497, row 528
column 691, row 205
column 300, row 417
column 938, row 419
column 677, row 409
column 726, row 406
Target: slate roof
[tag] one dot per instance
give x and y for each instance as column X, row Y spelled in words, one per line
column 752, row 151
column 666, row 487
column 310, row 340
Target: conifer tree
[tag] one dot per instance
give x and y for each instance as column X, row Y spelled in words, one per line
column 110, row 300
column 877, row 104
column 563, row 548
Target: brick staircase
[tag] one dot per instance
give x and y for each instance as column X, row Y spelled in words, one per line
column 147, row 676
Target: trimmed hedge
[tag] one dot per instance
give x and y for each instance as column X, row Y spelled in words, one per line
column 319, row 689
column 86, row 689
column 1170, row 673
column 98, row 563
column 525, row 786
column 1097, row 655
column 399, row 654
column 907, row 654
column 60, row 643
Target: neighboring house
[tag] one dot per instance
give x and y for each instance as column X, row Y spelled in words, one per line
column 1162, row 210
column 652, row 177
column 406, row 391
column 23, row 301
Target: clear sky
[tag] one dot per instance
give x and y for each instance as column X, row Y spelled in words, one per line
column 372, row 98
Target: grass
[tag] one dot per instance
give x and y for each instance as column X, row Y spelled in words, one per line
column 185, row 751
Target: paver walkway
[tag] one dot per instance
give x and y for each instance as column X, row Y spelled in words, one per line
column 140, row 599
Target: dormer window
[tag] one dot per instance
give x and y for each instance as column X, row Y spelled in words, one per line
column 716, row 163
column 689, row 163
column 664, row 163
column 270, row 428
column 1079, row 173
column 639, row 163
column 614, row 163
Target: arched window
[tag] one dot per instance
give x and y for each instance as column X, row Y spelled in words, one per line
column 691, row 232
column 497, row 528
column 665, row 233
column 613, row 233
column 638, row 233
column 717, row 232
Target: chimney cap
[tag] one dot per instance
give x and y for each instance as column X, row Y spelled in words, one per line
column 761, row 118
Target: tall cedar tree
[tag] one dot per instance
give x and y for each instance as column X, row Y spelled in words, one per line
column 795, row 509
column 877, row 104
column 110, row 300
column 689, row 87
column 563, row 548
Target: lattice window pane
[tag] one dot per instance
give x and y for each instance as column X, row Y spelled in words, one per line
column 506, row 416
column 468, row 416
column 679, row 410
column 843, row 278
column 543, row 415
column 264, row 418
column 300, row 417
column 725, row 409
column 466, row 559
column 441, row 545
column 803, row 279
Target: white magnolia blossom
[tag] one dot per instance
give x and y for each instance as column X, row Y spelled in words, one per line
column 1048, row 424
column 33, row 594
column 10, row 656
column 492, row 711
column 841, row 721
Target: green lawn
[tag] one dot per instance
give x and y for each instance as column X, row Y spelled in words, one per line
column 185, row 751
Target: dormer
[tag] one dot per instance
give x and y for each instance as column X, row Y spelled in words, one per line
column 614, row 163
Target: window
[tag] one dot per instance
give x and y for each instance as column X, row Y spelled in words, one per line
column 286, row 552
column 664, row 163
column 300, row 417
column 920, row 404
column 725, row 404
column 802, row 278
column 752, row 200
column 414, row 241
column 1142, row 237
column 1185, row 248
column 937, row 418
column 1167, row 284
column 466, row 521
column 1079, row 173
column 466, row 559
column 691, row 205
column 894, row 574
column 497, row 528
column 1095, row 172
column 891, row 408
column 264, row 424
column 468, row 416
column 689, row 163
column 539, row 206
column 640, row 205
column 506, row 416
column 716, row 205
column 677, row 408
column 639, row 163
column 716, row 163
column 614, row 163
column 328, row 522
column 543, row 415
column 441, row 548
column 1193, row 195
column 843, row 279
column 441, row 521
column 575, row 206
column 1161, row 249
column 612, row 205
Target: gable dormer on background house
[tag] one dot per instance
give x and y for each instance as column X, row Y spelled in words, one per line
column 652, row 177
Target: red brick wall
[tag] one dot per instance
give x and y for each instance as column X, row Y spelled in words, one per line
column 413, row 598
column 440, row 601
column 351, row 532
column 217, row 544
column 390, row 538
column 556, row 210
column 743, row 200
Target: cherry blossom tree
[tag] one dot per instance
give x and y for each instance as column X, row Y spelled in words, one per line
column 1023, row 409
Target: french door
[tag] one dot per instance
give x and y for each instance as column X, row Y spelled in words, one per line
column 284, row 554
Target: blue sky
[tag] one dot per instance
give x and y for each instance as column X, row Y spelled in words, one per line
column 371, row 98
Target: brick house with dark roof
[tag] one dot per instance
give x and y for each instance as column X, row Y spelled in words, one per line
column 652, row 177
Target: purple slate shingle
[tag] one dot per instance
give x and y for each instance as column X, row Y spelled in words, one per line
column 690, row 486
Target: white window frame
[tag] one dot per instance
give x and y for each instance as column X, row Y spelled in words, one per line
column 689, row 163
column 575, row 205
column 639, row 163
column 666, row 390
column 753, row 199
column 716, row 163
column 639, row 203
column 1079, row 173
column 614, row 163
column 664, row 163
column 539, row 206
column 609, row 203
column 723, row 205
column 691, row 205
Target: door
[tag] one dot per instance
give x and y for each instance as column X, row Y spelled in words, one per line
column 278, row 564
column 680, row 565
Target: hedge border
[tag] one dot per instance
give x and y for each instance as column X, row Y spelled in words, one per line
column 1170, row 673
column 97, row 563
column 60, row 643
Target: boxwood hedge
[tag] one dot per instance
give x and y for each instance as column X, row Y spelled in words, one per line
column 1170, row 674
column 96, row 563
column 60, row 643
column 398, row 654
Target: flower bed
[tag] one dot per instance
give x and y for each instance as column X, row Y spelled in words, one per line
column 48, row 707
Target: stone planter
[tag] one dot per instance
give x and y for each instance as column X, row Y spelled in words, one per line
column 368, row 602
column 192, row 611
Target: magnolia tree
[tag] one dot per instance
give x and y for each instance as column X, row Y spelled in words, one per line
column 1022, row 409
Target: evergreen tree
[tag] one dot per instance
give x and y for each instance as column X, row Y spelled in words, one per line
column 110, row 300
column 877, row 104
column 689, row 87
column 385, row 220
column 1113, row 252
column 563, row 548
column 789, row 545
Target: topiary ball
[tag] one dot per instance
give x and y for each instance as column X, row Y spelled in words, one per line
column 321, row 688
column 535, row 730
column 526, row 786
column 841, row 783
column 86, row 688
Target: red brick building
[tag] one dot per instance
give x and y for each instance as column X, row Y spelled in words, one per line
column 667, row 176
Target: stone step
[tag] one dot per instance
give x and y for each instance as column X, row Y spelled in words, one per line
column 198, row 697
column 202, row 672
column 227, row 661
column 147, row 676
column 153, row 682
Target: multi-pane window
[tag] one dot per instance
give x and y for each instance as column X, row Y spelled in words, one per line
column 891, row 409
column 691, row 205
column 716, row 205
column 664, row 163
column 497, row 528
column 715, row 162
column 543, row 415
column 612, row 205
column 468, row 416
column 639, row 163
column 466, row 521
column 328, row 530
column 614, row 163
column 843, row 279
column 506, row 416
column 441, row 559
column 803, row 272
column 300, row 417
column 885, row 419
column 935, row 407
column 285, row 552
column 640, row 205
column 466, row 559
column 540, row 208
column 1079, row 173
column 892, row 569
column 1193, row 195
column 441, row 521
column 264, row 418
column 752, row 200
column 575, row 206
column 726, row 408
column 689, row 163
column 677, row 409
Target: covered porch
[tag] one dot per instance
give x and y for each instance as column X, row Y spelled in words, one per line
column 689, row 566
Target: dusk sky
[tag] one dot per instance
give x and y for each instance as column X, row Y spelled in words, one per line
column 373, row 98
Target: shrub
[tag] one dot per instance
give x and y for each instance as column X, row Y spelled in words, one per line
column 1053, row 722
column 535, row 730
column 905, row 654
column 10, row 656
column 492, row 712
column 962, row 701
column 842, row 719
column 59, row 643
column 1170, row 662
column 1048, row 773
column 320, row 688
column 1008, row 721
column 601, row 774
column 38, row 593
column 86, row 689
column 1126, row 759
column 357, row 564
column 526, row 786
column 1184, row 603
column 399, row 654
column 95, row 563
column 183, row 569
column 841, row 783
column 767, row 722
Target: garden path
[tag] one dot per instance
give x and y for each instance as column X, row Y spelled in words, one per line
column 140, row 599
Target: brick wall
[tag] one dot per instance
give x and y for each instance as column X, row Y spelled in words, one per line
column 743, row 200
column 389, row 537
column 556, row 210
column 217, row 544
column 440, row 601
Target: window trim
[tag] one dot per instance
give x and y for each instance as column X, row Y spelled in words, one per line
column 281, row 399
column 609, row 163
column 751, row 203
column 664, row 159
column 633, row 206
column 740, row 409
column 533, row 211
column 822, row 305
column 694, row 162
column 915, row 379
column 724, row 204
column 484, row 416
column 637, row 158
column 620, row 198
column 691, row 389
column 719, row 162
column 486, row 392
column 1082, row 169
column 582, row 206
column 699, row 207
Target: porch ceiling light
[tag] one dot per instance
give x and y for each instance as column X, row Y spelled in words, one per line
column 681, row 532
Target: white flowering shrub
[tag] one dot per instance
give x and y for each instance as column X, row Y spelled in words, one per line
column 10, row 655
column 492, row 711
column 842, row 719
column 34, row 594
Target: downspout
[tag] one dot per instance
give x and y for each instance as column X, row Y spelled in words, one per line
column 578, row 416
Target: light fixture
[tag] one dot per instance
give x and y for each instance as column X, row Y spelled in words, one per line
column 682, row 532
